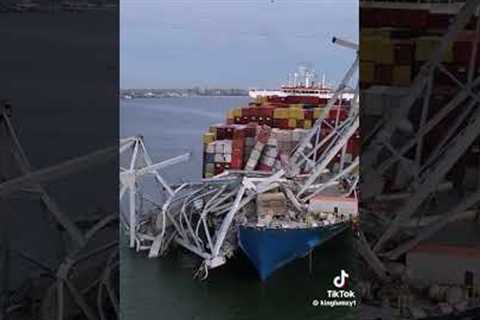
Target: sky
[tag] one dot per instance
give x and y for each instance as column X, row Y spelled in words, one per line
column 232, row 43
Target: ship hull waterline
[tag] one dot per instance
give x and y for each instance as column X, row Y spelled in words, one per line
column 269, row 249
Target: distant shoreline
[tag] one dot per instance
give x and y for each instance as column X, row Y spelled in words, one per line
column 189, row 92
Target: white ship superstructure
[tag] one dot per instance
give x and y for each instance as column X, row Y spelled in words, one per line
column 300, row 83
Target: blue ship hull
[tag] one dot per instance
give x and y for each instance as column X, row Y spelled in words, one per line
column 270, row 249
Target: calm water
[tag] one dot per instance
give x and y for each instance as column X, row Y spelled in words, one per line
column 164, row 289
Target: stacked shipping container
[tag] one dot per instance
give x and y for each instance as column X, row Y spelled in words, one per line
column 396, row 42
column 394, row 45
column 262, row 135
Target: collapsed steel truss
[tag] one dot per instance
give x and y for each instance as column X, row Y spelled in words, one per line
column 202, row 216
column 382, row 150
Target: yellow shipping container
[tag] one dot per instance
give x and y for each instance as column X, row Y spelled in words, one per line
column 368, row 48
column 213, row 130
column 425, row 46
column 383, row 33
column 230, row 115
column 292, row 123
column 237, row 112
column 280, row 113
column 402, row 76
column 307, row 124
column 317, row 112
column 261, row 99
column 295, row 113
column 367, row 72
column 385, row 52
column 296, row 105
column 208, row 137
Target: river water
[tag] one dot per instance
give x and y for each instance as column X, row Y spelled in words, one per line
column 163, row 288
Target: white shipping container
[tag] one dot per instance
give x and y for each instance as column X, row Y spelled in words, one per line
column 219, row 157
column 218, row 146
column 210, row 147
column 227, row 146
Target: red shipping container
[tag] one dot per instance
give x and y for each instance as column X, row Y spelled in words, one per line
column 224, row 131
column 229, row 132
column 343, row 114
column 458, row 71
column 368, row 18
column 308, row 114
column 251, row 130
column 404, row 53
column 237, row 163
column 462, row 51
column 279, row 105
column 322, row 102
column 280, row 123
column 472, row 25
column 221, row 132
column 238, row 143
column 265, row 115
column 353, row 146
column 219, row 168
column 384, row 74
column 249, row 112
column 268, row 121
column 276, row 99
column 402, row 18
column 302, row 99
column 239, row 133
column 264, row 134
column 310, row 100
column 265, row 112
column 439, row 20
column 237, row 158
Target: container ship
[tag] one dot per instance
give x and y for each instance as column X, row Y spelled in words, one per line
column 261, row 138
